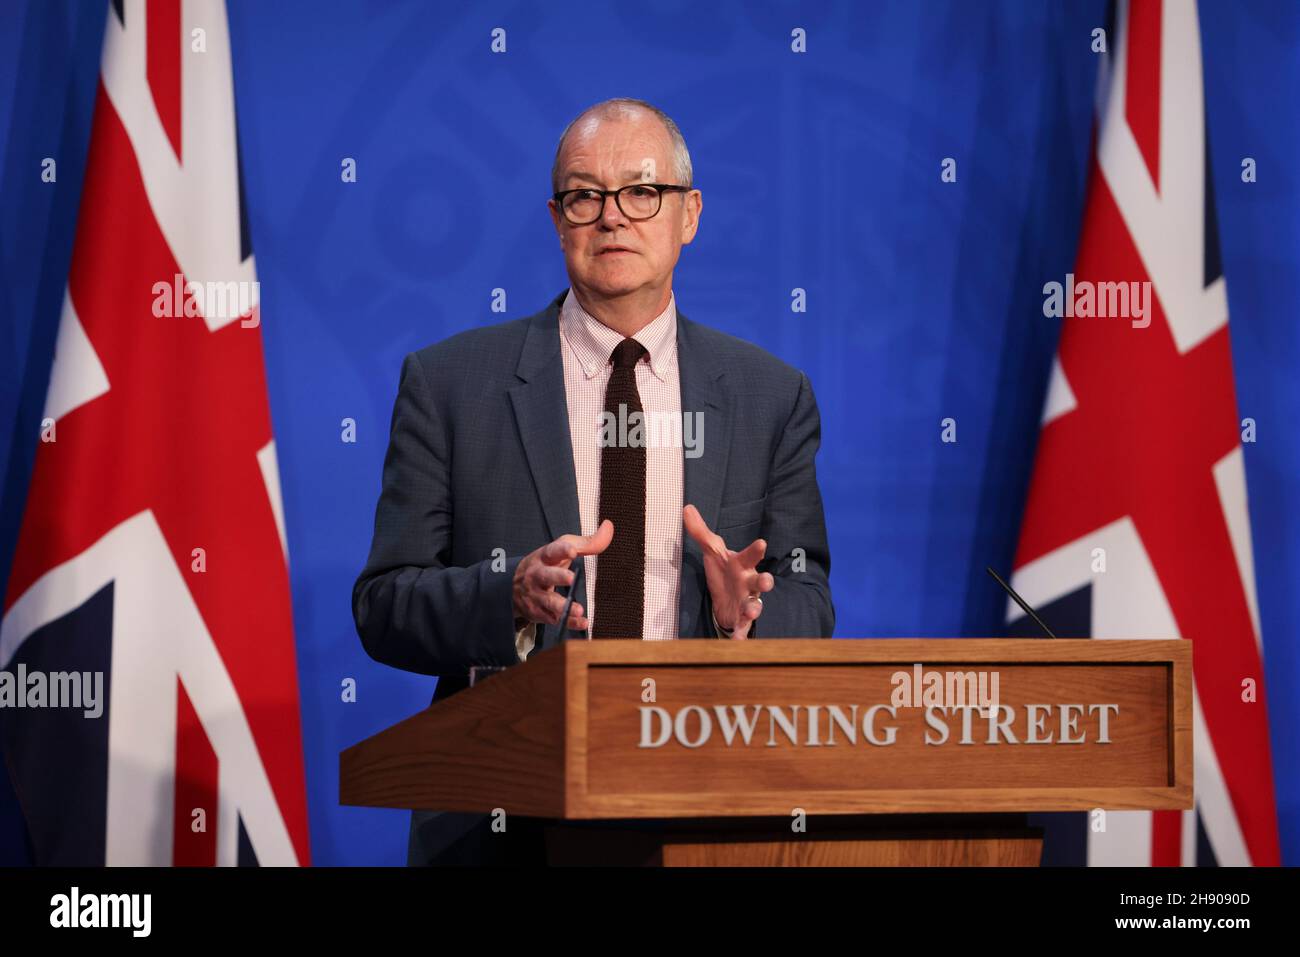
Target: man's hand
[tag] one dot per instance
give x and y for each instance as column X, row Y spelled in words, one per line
column 734, row 581
column 539, row 573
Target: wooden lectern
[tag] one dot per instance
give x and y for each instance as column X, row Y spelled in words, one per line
column 789, row 751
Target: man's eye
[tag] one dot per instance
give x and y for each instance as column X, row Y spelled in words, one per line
column 585, row 194
column 641, row 192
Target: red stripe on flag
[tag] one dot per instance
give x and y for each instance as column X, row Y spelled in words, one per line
column 164, row 44
column 1142, row 89
column 1166, row 838
column 196, row 789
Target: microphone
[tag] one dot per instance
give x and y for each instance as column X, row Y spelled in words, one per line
column 573, row 590
column 1020, row 601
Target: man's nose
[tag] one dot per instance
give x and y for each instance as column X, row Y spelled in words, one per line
column 610, row 214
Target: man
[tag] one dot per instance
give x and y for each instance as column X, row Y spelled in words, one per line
column 518, row 448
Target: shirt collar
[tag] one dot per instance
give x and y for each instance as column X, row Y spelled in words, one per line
column 593, row 342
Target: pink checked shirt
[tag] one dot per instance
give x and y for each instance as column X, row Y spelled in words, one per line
column 586, row 345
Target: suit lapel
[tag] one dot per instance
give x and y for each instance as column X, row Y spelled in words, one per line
column 702, row 392
column 542, row 414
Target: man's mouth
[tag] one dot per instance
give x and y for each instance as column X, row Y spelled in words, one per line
column 612, row 249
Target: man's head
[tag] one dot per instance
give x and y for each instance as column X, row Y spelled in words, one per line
column 608, row 146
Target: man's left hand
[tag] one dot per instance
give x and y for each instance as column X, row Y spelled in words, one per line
column 735, row 583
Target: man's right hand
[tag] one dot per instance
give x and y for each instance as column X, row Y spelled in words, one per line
column 538, row 575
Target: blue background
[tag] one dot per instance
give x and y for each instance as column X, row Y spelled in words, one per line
column 819, row 171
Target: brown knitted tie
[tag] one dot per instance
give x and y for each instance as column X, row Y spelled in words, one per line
column 620, row 569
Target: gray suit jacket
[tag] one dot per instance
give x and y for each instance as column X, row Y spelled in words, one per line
column 479, row 460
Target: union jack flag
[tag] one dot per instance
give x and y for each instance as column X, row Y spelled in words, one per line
column 1136, row 524
column 152, row 546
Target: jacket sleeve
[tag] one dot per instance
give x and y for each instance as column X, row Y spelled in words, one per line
column 412, row 609
column 794, row 527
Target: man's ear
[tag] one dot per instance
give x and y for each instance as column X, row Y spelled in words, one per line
column 693, row 206
column 554, row 210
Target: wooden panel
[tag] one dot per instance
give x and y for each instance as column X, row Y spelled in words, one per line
column 935, row 852
column 972, row 840
column 828, row 758
column 1146, row 763
column 499, row 744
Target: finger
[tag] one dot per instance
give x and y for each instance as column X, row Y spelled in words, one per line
column 693, row 521
column 577, row 623
column 694, row 524
column 600, row 541
column 553, row 604
column 758, row 582
column 752, row 554
column 597, row 543
column 561, row 551
column 543, row 611
column 543, row 577
column 557, row 607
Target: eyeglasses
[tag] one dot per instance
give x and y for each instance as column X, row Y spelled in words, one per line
column 638, row 201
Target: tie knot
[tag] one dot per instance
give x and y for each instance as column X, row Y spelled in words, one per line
column 627, row 353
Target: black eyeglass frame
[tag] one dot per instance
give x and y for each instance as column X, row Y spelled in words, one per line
column 660, row 188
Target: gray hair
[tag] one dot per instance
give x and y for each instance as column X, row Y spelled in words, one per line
column 627, row 107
